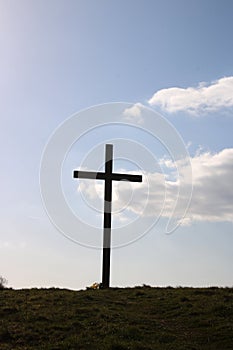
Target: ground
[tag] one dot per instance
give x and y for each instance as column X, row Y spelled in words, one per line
column 117, row 319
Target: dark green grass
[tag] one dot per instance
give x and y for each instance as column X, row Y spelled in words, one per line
column 118, row 319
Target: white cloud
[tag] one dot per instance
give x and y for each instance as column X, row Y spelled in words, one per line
column 201, row 99
column 134, row 113
column 213, row 191
column 212, row 198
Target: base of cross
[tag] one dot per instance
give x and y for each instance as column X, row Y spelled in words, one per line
column 96, row 285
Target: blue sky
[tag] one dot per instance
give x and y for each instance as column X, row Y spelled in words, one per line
column 58, row 57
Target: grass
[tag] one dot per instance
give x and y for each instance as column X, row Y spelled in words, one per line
column 117, row 319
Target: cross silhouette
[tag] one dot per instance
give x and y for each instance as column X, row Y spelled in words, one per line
column 108, row 176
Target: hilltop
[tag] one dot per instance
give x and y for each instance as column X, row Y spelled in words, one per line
column 117, row 319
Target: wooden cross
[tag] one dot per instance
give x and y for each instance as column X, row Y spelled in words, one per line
column 108, row 176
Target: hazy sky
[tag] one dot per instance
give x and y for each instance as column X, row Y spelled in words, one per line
column 58, row 57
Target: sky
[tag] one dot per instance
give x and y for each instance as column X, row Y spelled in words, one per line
column 61, row 57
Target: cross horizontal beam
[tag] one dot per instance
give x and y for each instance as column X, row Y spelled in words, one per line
column 103, row 176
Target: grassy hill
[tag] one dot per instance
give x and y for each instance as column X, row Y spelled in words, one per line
column 117, row 319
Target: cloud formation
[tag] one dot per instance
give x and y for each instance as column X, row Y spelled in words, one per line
column 196, row 100
column 212, row 198
column 213, row 191
column 134, row 113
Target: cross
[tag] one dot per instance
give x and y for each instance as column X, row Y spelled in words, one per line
column 108, row 176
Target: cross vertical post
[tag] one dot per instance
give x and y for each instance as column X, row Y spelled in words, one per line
column 107, row 216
